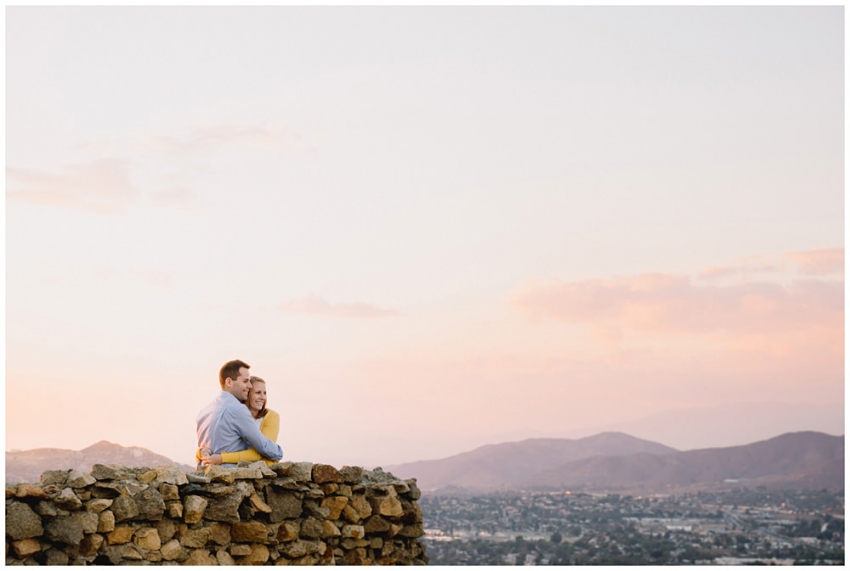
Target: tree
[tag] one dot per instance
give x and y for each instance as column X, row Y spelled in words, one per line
column 556, row 538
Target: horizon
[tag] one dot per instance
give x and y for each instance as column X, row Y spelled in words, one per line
column 439, row 226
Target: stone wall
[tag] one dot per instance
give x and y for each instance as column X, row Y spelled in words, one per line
column 283, row 514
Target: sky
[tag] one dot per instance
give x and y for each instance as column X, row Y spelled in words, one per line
column 427, row 228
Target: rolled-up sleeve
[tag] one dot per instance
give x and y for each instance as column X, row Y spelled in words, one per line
column 251, row 433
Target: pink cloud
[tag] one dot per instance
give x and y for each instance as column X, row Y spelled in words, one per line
column 315, row 305
column 819, row 262
column 175, row 197
column 100, row 186
column 673, row 304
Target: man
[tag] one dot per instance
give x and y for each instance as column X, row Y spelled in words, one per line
column 226, row 424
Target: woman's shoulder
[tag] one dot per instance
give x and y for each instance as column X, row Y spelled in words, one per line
column 271, row 415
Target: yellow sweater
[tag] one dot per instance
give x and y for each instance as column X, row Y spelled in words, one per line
column 270, row 427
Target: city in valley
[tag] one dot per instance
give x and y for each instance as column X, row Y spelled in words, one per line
column 739, row 526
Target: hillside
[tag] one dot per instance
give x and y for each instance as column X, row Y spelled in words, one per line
column 28, row 465
column 800, row 459
column 502, row 465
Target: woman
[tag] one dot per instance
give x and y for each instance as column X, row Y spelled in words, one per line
column 268, row 421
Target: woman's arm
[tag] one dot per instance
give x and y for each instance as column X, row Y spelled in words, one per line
column 270, row 429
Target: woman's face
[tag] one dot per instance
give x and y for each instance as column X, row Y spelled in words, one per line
column 257, row 397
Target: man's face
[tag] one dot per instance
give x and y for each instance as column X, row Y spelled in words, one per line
column 241, row 386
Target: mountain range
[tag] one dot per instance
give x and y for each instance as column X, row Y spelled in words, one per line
column 618, row 462
column 28, row 465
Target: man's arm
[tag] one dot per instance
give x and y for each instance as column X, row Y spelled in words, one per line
column 248, row 430
column 269, row 429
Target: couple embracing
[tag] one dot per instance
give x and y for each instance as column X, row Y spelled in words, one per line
column 236, row 425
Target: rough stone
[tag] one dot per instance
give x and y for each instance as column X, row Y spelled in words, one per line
column 119, row 488
column 166, row 529
column 171, row 475
column 289, row 530
column 26, row 547
column 286, row 482
column 258, row 504
column 22, row 522
column 67, row 500
column 361, row 504
column 195, row 537
column 311, row 528
column 299, row 548
column 214, row 490
column 44, row 508
column 54, row 556
column 150, row 505
column 88, row 521
column 353, row 531
column 301, row 471
column 220, row 533
column 335, row 504
column 376, row 524
column 262, row 467
column 119, row 535
column 330, row 488
column 77, row 479
column 284, row 505
column 30, row 491
column 105, row 521
column 169, row 492
column 193, row 508
column 351, row 474
column 412, row 531
column 386, row 505
column 224, row 558
column 329, row 529
column 147, row 477
column 108, row 472
column 323, row 473
column 90, row 544
column 147, row 538
column 415, row 493
column 124, row 508
column 171, row 550
column 200, row 557
column 351, row 514
column 197, row 479
column 249, row 532
column 220, row 474
column 175, row 510
column 258, row 555
column 240, row 549
column 153, row 556
column 98, row 505
column 246, row 474
column 66, row 529
column 226, row 509
column 56, row 477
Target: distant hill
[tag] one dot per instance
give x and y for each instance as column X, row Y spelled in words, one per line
column 799, row 459
column 28, row 465
column 504, row 465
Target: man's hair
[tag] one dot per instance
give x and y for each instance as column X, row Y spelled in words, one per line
column 230, row 370
column 263, row 412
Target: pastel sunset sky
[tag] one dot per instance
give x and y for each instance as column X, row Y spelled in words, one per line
column 428, row 229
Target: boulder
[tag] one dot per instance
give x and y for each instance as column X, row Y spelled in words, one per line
column 195, row 538
column 258, row 555
column 311, row 528
column 193, row 508
column 105, row 521
column 30, row 491
column 90, row 545
column 119, row 535
column 26, row 547
column 67, row 500
column 124, row 508
column 98, row 505
column 284, row 504
column 147, row 538
column 171, row 475
column 22, row 522
column 56, row 477
column 323, row 474
column 200, row 557
column 66, row 529
column 249, row 532
column 150, row 505
column 77, row 479
column 171, row 550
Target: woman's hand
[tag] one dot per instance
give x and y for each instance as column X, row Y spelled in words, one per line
column 210, row 459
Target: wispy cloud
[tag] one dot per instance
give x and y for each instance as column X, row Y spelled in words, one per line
column 822, row 261
column 673, row 304
column 101, row 186
column 315, row 305
column 210, row 136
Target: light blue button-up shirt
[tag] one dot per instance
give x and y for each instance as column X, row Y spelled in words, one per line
column 226, row 425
